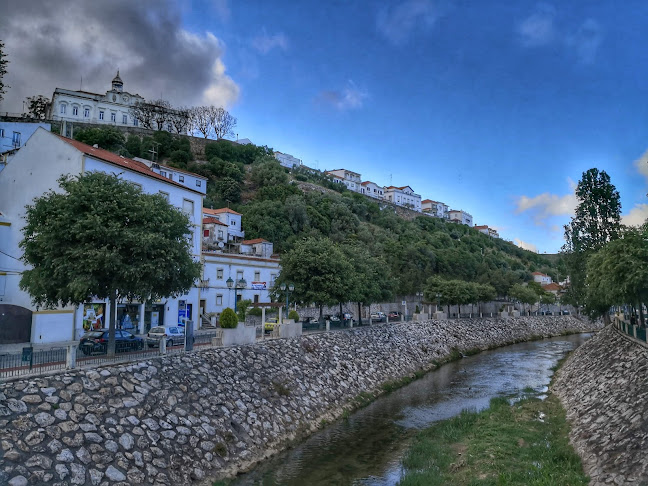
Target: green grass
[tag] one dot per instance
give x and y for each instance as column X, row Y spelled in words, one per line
column 522, row 444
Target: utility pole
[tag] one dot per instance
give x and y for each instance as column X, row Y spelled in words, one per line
column 154, row 151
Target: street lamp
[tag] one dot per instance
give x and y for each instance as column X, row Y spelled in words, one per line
column 291, row 287
column 241, row 284
column 230, row 283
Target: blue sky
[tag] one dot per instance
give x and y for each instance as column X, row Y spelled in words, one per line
column 494, row 107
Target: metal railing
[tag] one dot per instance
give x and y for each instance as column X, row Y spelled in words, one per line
column 41, row 361
column 631, row 330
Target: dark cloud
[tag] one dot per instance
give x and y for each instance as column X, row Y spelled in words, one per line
column 54, row 44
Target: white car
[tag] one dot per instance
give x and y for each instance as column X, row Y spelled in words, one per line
column 174, row 335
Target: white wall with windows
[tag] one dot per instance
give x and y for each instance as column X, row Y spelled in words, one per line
column 15, row 134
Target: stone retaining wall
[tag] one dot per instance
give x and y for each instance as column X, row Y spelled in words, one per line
column 604, row 388
column 198, row 416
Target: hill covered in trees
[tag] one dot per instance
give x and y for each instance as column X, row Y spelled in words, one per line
column 402, row 253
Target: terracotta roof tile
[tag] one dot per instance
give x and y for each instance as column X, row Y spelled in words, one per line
column 220, row 211
column 212, row 221
column 254, row 241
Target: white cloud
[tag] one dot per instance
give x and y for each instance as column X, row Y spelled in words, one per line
column 50, row 46
column 348, row 98
column 397, row 23
column 526, row 246
column 265, row 43
column 546, row 205
column 637, row 215
column 538, row 29
column 586, row 41
column 642, row 165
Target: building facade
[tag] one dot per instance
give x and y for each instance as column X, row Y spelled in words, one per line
column 435, row 208
column 460, row 216
column 350, row 179
column 35, row 170
column 487, row 231
column 13, row 135
column 372, row 189
column 287, row 160
column 403, row 196
column 112, row 108
column 541, row 278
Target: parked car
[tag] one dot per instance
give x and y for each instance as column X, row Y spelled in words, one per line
column 97, row 341
column 394, row 316
column 269, row 324
column 332, row 318
column 311, row 320
column 377, row 316
column 174, row 336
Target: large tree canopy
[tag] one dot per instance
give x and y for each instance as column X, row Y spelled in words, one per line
column 102, row 237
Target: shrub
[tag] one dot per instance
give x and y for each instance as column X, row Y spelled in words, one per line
column 255, row 311
column 228, row 319
column 293, row 315
column 242, row 308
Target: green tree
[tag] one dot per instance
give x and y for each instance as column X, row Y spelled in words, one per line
column 134, row 146
column 523, row 294
column 597, row 220
column 3, row 70
column 103, row 237
column 242, row 307
column 228, row 319
column 319, row 270
column 107, row 138
column 37, row 107
column 267, row 172
column 618, row 274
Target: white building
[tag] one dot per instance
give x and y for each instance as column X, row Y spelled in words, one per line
column 287, row 160
column 487, row 231
column 112, row 108
column 403, row 196
column 372, row 189
column 257, row 272
column 460, row 216
column 13, row 135
column 349, row 178
column 231, row 219
column 188, row 179
column 541, row 278
column 435, row 208
column 33, row 171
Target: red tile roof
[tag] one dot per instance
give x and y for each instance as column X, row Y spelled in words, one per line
column 212, row 221
column 481, row 227
column 254, row 241
column 539, row 273
column 120, row 161
column 552, row 286
column 220, row 211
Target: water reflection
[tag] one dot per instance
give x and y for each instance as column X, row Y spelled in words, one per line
column 367, row 448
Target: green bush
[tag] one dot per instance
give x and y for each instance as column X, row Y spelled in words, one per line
column 180, row 158
column 242, row 308
column 255, row 311
column 228, row 319
column 293, row 315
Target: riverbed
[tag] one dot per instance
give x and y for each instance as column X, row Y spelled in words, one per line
column 367, row 447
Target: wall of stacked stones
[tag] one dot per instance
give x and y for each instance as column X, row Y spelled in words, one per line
column 194, row 417
column 604, row 389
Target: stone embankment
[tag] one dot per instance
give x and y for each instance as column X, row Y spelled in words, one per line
column 192, row 417
column 604, row 388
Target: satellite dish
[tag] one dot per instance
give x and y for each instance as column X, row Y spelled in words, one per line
column 221, row 244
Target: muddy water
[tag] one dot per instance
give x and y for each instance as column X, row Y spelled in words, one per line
column 366, row 448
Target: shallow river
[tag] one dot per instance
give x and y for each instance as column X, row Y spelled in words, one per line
column 366, row 448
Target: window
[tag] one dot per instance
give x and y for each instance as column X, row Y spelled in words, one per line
column 239, row 275
column 63, row 107
column 198, row 183
column 1, row 132
column 86, row 112
column 273, row 276
column 181, row 178
column 233, row 223
column 101, row 115
column 15, row 139
column 188, row 206
column 124, row 119
column 257, row 276
column 163, row 173
column 135, row 122
column 219, row 300
column 256, row 298
column 206, row 233
column 169, row 128
column 219, row 273
column 75, row 110
column 113, row 117
column 165, row 195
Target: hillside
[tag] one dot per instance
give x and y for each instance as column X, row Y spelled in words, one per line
column 286, row 206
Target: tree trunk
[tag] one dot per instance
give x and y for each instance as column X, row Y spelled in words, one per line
column 341, row 315
column 359, row 313
column 641, row 315
column 321, row 313
column 111, row 325
column 458, row 310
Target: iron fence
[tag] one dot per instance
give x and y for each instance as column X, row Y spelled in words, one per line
column 32, row 361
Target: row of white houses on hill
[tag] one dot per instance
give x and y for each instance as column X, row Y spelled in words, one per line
column 35, row 168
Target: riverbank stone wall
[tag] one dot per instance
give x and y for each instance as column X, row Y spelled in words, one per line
column 196, row 417
column 604, row 389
